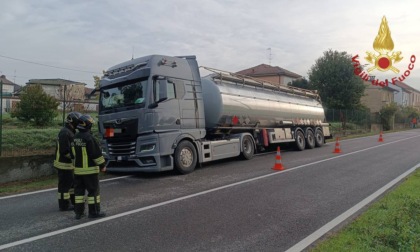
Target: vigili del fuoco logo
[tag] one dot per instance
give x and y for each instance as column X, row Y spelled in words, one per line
column 384, row 59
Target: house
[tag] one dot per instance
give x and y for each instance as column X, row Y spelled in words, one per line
column 61, row 89
column 273, row 74
column 401, row 95
column 376, row 97
column 412, row 95
column 73, row 96
column 8, row 89
column 70, row 94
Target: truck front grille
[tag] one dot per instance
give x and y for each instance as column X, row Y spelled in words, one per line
column 122, row 149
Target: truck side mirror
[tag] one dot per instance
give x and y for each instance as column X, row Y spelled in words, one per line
column 163, row 90
column 93, row 92
column 155, row 104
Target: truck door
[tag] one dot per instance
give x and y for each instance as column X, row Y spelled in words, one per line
column 167, row 110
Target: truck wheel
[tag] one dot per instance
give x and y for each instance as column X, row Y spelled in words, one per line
column 247, row 148
column 319, row 138
column 185, row 157
column 300, row 140
column 310, row 140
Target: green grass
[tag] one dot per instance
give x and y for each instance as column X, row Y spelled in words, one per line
column 390, row 224
column 23, row 139
column 29, row 138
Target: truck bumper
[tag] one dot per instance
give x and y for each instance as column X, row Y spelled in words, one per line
column 144, row 156
column 136, row 165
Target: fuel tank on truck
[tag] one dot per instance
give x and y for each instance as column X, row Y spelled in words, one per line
column 230, row 102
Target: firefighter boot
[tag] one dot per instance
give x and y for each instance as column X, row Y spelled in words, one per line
column 95, row 211
column 64, row 205
column 79, row 209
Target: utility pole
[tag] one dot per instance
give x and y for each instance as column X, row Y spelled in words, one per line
column 1, row 115
column 64, row 103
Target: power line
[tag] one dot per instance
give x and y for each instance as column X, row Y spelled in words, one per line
column 36, row 63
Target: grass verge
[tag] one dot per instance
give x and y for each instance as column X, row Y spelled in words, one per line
column 28, row 185
column 390, row 224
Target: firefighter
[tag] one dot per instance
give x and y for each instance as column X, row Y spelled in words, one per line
column 88, row 161
column 63, row 162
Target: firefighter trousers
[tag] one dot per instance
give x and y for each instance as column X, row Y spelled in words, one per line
column 65, row 189
column 89, row 183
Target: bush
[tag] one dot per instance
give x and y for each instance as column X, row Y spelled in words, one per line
column 35, row 106
column 388, row 115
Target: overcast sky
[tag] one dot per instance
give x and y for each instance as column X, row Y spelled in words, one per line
column 91, row 36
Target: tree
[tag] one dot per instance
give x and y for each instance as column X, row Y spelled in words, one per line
column 35, row 106
column 387, row 114
column 96, row 80
column 333, row 76
column 406, row 114
column 302, row 83
column 66, row 94
column 410, row 112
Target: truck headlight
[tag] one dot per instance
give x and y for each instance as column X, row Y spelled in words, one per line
column 147, row 147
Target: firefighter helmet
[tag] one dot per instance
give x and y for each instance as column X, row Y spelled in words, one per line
column 73, row 118
column 86, row 122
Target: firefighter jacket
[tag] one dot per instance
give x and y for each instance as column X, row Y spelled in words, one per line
column 63, row 148
column 87, row 155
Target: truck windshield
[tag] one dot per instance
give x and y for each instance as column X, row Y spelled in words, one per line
column 125, row 96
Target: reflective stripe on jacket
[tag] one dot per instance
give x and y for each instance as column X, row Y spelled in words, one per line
column 87, row 154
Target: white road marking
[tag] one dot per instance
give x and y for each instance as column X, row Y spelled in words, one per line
column 52, row 189
column 94, row 222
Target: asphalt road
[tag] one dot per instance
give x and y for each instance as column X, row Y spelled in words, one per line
column 229, row 205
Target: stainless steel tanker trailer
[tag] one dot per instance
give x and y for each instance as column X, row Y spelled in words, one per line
column 156, row 113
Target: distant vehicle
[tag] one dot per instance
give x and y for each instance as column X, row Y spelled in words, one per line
column 156, row 113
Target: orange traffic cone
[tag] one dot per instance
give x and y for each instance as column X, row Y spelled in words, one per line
column 380, row 137
column 278, row 166
column 337, row 146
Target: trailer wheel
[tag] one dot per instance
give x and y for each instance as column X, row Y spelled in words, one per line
column 185, row 157
column 300, row 140
column 319, row 138
column 247, row 148
column 310, row 140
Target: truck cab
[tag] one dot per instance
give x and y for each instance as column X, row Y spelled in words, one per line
column 146, row 106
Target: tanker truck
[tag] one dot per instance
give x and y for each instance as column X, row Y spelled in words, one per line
column 157, row 113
